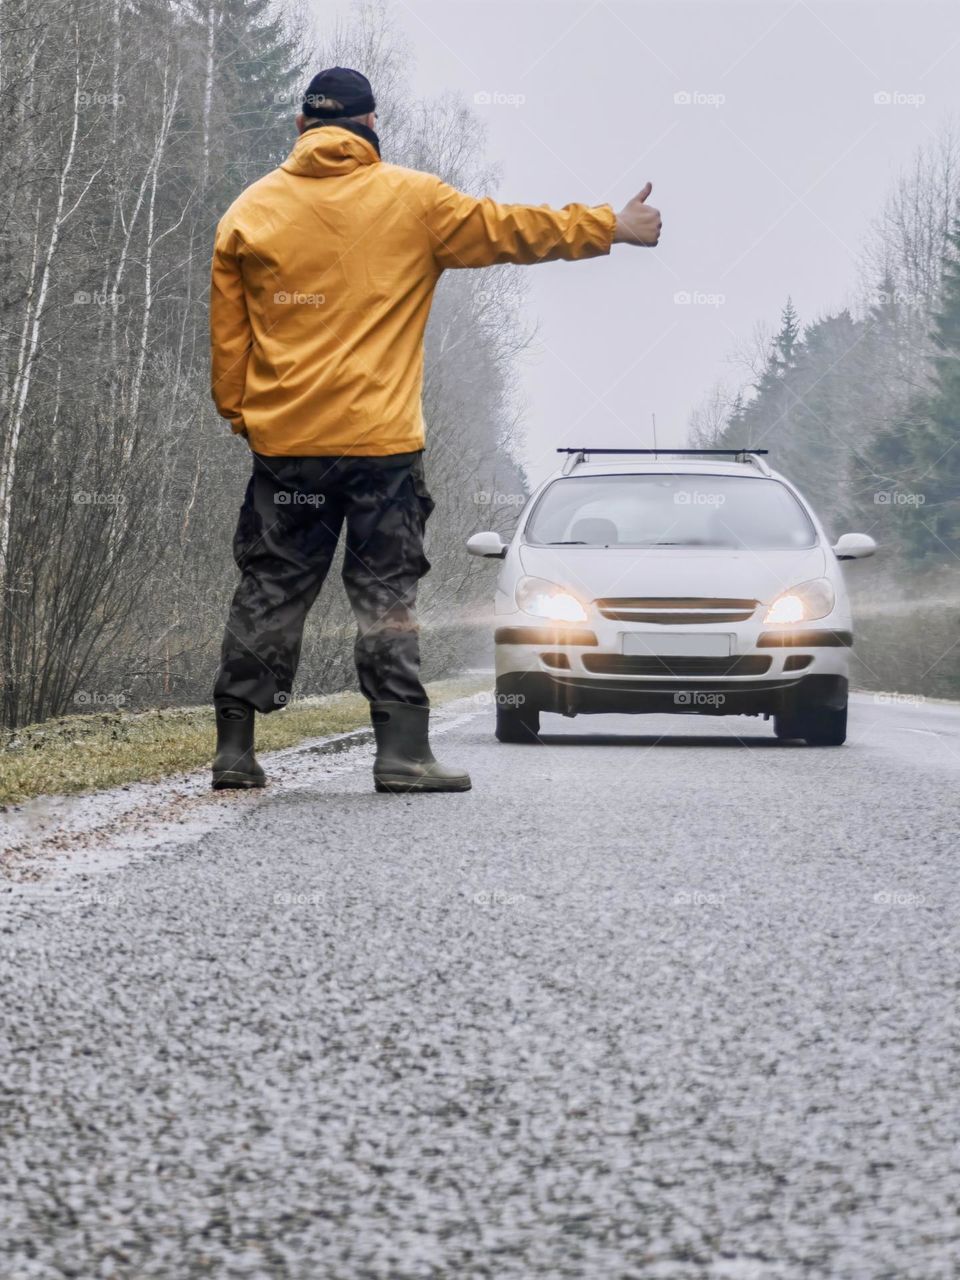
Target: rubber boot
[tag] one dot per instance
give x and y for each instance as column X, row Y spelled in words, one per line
column 404, row 760
column 235, row 765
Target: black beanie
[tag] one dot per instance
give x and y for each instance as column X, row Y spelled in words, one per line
column 338, row 91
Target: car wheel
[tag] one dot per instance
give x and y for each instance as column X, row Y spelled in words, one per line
column 517, row 724
column 787, row 728
column 824, row 726
column 818, row 726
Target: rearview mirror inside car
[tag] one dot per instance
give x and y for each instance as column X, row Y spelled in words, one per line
column 488, row 544
column 854, row 546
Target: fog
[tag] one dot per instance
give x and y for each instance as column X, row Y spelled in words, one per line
column 767, row 184
column 804, row 297
column 651, row 969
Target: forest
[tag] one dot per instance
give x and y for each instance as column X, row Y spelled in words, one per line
column 128, row 127
column 860, row 407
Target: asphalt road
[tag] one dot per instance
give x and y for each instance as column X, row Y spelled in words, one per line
column 681, row 1002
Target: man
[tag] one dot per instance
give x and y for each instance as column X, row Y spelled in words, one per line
column 323, row 275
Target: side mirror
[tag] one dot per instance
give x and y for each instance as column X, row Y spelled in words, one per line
column 487, row 544
column 854, row 546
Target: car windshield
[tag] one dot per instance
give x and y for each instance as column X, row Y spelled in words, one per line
column 670, row 511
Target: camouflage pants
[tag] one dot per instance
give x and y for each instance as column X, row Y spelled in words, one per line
column 286, row 537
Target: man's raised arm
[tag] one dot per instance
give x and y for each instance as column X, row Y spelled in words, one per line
column 472, row 232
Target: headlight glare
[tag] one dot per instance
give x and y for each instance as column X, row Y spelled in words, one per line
column 803, row 603
column 545, row 599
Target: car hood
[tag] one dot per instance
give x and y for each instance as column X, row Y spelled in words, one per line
column 597, row 572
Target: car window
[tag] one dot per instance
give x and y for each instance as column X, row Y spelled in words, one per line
column 670, row 511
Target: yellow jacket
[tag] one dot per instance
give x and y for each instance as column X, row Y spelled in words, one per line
column 323, row 275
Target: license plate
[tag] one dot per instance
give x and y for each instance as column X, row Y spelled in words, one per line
column 678, row 644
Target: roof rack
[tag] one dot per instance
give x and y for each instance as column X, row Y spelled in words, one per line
column 753, row 457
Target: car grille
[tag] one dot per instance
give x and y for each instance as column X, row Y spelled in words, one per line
column 617, row 664
column 676, row 609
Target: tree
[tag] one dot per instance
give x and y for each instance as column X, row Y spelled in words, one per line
column 783, row 355
column 920, row 454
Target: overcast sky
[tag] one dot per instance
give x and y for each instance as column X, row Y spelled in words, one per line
column 767, row 177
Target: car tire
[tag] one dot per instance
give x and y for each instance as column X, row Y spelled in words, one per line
column 817, row 726
column 517, row 724
column 825, row 726
column 787, row 728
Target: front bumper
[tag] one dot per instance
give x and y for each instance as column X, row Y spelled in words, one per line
column 573, row 696
column 581, row 669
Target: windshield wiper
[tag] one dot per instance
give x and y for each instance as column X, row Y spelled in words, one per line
column 576, row 542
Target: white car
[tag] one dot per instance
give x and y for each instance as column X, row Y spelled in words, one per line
column 688, row 581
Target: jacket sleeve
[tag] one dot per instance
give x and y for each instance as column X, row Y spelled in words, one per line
column 230, row 334
column 470, row 232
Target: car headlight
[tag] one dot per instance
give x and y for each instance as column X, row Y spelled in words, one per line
column 546, row 600
column 803, row 603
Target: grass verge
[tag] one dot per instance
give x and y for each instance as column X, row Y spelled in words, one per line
column 73, row 754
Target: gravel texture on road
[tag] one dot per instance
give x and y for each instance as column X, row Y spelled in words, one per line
column 660, row 998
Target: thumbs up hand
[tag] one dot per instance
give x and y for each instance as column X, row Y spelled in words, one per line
column 638, row 222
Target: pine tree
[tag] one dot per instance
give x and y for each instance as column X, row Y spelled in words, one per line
column 920, row 454
column 769, row 415
column 785, row 344
column 824, row 430
column 735, row 420
column 256, row 74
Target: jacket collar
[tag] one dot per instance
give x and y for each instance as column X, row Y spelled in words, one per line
column 351, row 126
